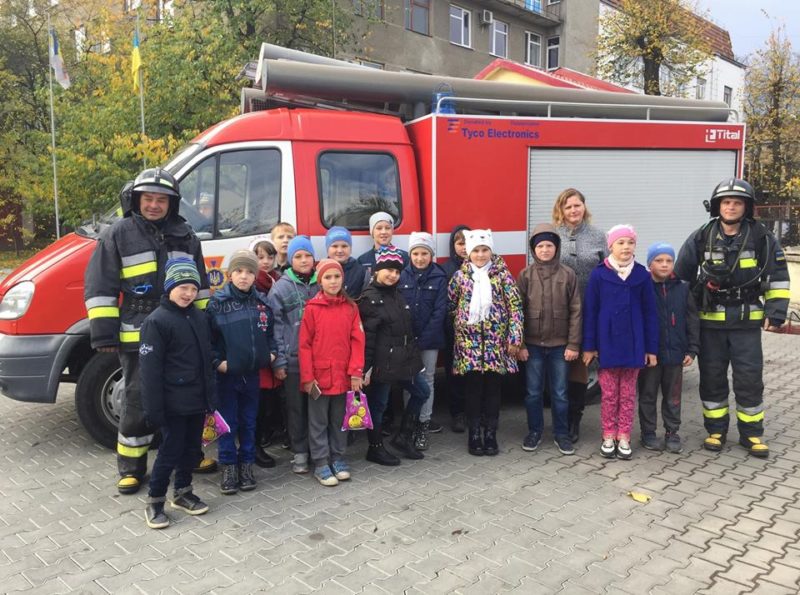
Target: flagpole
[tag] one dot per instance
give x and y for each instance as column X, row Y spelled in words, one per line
column 53, row 130
column 141, row 96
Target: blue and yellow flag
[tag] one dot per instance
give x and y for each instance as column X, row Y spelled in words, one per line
column 57, row 62
column 136, row 61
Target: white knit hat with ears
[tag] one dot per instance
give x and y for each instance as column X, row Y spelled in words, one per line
column 421, row 239
column 478, row 237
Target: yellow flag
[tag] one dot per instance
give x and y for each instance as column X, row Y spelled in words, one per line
column 136, row 61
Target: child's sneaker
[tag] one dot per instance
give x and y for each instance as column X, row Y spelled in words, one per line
column 624, row 450
column 564, row 445
column 189, row 503
column 341, row 470
column 608, row 448
column 155, row 516
column 300, row 463
column 434, row 428
column 247, row 482
column 532, row 441
column 650, row 441
column 325, row 476
column 672, row 443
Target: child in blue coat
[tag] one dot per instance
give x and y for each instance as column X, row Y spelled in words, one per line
column 423, row 284
column 620, row 328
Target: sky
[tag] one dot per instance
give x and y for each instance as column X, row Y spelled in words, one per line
column 749, row 26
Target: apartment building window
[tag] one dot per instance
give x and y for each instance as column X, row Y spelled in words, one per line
column 131, row 5
column 80, row 41
column 371, row 9
column 418, row 13
column 552, row 52
column 700, row 89
column 370, row 64
column 727, row 95
column 533, row 49
column 499, row 38
column 460, row 23
column 533, row 5
column 549, row 2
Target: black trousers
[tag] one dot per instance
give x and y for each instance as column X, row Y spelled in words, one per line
column 740, row 350
column 135, row 436
column 483, row 392
column 454, row 384
column 669, row 379
column 181, row 438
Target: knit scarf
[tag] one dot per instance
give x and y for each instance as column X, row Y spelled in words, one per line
column 623, row 270
column 481, row 301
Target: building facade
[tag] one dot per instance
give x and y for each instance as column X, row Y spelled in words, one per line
column 461, row 37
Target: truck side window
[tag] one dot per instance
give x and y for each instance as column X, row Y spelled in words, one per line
column 233, row 194
column 353, row 186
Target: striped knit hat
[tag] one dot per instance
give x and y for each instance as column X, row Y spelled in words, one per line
column 181, row 271
column 388, row 257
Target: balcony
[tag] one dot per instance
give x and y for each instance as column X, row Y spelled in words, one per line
column 538, row 12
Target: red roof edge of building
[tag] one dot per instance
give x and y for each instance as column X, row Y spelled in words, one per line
column 589, row 82
column 528, row 71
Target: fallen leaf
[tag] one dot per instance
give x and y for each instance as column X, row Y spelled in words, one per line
column 639, row 497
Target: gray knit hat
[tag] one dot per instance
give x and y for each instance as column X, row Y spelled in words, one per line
column 243, row 259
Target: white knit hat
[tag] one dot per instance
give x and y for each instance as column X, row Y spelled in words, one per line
column 478, row 237
column 377, row 218
column 421, row 239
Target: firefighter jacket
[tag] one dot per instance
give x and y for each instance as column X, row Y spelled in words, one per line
column 737, row 281
column 125, row 276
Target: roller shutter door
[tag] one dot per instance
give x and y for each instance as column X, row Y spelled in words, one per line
column 659, row 192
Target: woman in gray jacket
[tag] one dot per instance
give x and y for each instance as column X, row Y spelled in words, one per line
column 583, row 247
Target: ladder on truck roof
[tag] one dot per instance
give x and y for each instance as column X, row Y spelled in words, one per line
column 284, row 77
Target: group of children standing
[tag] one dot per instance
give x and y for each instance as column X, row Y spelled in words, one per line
column 311, row 330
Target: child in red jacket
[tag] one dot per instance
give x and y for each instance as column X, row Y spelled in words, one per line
column 331, row 354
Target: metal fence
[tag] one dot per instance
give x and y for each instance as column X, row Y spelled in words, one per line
column 783, row 221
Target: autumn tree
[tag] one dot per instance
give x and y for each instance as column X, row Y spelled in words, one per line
column 660, row 45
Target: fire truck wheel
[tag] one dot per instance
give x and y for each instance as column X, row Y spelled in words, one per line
column 98, row 397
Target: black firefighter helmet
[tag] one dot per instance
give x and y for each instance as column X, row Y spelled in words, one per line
column 158, row 180
column 734, row 188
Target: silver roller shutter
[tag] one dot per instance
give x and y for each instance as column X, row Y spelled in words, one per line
column 659, row 192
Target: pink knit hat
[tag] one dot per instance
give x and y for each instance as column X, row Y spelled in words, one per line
column 620, row 231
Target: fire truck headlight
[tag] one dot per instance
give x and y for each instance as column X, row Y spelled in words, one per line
column 16, row 301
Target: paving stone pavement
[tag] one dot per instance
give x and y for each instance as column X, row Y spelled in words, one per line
column 519, row 522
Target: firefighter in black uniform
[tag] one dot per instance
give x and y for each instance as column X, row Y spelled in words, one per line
column 738, row 273
column 130, row 259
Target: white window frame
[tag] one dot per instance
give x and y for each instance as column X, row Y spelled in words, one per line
column 502, row 32
column 557, row 48
column 700, row 88
column 529, row 35
column 465, row 26
column 549, row 2
column 726, row 90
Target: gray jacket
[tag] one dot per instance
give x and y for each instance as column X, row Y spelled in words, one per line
column 287, row 300
column 582, row 249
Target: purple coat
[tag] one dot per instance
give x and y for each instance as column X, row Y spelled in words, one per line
column 620, row 318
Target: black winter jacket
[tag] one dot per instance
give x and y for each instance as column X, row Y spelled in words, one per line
column 391, row 351
column 679, row 334
column 355, row 278
column 175, row 363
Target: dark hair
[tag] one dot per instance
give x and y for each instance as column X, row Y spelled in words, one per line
column 267, row 247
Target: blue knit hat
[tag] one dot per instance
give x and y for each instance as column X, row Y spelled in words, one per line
column 299, row 243
column 657, row 249
column 181, row 271
column 337, row 234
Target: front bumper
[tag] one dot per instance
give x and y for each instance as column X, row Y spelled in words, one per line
column 31, row 365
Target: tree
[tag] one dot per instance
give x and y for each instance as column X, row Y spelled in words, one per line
column 659, row 44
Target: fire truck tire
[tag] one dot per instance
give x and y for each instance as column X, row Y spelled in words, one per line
column 98, row 398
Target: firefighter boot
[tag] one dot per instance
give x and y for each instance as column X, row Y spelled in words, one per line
column 377, row 453
column 128, row 484
column 755, row 446
column 714, row 442
column 403, row 441
column 132, row 469
column 206, row 465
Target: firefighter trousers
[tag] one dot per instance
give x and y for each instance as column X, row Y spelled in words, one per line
column 741, row 350
column 134, row 435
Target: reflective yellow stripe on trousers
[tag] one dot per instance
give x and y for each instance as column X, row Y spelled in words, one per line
column 132, row 451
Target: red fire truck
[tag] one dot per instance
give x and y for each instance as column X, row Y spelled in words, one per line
column 323, row 143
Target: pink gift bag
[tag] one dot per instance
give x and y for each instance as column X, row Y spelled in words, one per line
column 356, row 412
column 214, row 427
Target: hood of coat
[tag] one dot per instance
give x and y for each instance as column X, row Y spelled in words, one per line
column 325, row 301
column 453, row 256
column 549, row 229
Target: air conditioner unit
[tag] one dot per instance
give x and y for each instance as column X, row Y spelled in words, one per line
column 487, row 18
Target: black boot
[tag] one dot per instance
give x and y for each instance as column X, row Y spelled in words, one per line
column 377, row 453
column 575, row 426
column 475, row 444
column 263, row 459
column 404, row 439
column 247, row 481
column 490, row 447
column 229, row 484
column 576, row 393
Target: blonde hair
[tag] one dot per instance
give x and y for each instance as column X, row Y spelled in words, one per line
column 282, row 225
column 558, row 207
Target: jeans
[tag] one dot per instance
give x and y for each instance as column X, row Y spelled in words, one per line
column 429, row 357
column 378, row 396
column 549, row 363
column 181, row 438
column 238, row 404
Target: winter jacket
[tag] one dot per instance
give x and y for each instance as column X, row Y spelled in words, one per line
column 175, row 363
column 331, row 346
column 454, row 262
column 367, row 260
column 241, row 329
column 749, row 271
column 483, row 347
column 265, row 280
column 130, row 258
column 551, row 301
column 288, row 301
column 355, row 277
column 582, row 249
column 620, row 320
column 679, row 326
column 391, row 351
column 425, row 291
